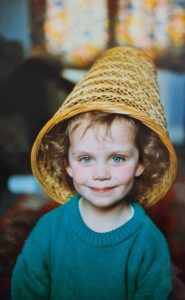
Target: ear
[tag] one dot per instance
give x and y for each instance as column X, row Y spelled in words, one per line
column 69, row 171
column 139, row 170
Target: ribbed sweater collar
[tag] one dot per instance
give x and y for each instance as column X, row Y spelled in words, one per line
column 106, row 239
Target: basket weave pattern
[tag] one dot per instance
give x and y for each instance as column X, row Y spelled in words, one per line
column 122, row 80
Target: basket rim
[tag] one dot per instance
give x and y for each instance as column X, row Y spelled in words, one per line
column 67, row 113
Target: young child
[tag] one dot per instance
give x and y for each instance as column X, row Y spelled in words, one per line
column 108, row 148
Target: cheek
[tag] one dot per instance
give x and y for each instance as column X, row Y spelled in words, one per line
column 80, row 178
column 77, row 173
column 124, row 175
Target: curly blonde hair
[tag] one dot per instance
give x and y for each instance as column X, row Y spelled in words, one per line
column 152, row 153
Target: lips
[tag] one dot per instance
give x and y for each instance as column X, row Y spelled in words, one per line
column 102, row 190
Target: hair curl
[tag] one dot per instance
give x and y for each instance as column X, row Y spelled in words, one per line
column 152, row 152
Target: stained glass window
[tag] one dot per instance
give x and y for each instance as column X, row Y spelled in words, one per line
column 77, row 31
column 157, row 26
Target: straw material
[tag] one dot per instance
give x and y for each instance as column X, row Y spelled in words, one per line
column 122, row 80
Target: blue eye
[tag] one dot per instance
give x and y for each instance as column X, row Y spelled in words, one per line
column 85, row 159
column 117, row 159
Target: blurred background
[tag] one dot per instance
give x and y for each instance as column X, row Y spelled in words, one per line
column 46, row 47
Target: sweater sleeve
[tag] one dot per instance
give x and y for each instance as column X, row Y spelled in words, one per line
column 30, row 278
column 154, row 281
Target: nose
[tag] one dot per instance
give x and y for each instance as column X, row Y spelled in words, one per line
column 101, row 172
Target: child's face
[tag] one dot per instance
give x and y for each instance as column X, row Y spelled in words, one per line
column 103, row 166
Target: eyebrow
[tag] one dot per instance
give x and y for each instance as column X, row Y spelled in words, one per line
column 123, row 152
column 81, row 153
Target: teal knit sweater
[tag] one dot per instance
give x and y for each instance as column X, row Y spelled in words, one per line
column 64, row 260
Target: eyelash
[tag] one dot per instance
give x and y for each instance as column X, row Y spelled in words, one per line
column 115, row 159
column 85, row 159
column 118, row 159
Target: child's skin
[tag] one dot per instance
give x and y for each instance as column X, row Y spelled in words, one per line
column 101, row 244
column 103, row 168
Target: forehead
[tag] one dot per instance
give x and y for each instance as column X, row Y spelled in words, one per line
column 97, row 118
column 120, row 129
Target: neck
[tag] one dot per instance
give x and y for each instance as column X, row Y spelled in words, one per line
column 104, row 219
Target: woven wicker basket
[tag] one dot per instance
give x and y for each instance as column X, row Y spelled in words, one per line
column 122, row 80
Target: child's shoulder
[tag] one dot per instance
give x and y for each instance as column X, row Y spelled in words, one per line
column 150, row 233
column 61, row 210
column 58, row 215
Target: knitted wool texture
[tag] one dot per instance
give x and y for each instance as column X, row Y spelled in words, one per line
column 64, row 259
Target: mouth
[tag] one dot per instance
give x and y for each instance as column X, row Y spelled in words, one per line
column 102, row 190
